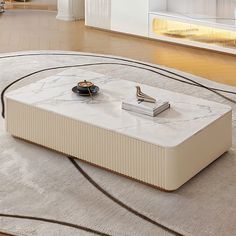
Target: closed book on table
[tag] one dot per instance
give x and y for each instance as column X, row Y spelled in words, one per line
column 146, row 108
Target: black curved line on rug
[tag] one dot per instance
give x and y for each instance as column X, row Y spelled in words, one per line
column 111, row 63
column 117, row 201
column 82, row 172
column 194, row 83
column 52, row 221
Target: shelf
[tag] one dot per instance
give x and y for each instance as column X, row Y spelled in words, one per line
column 193, row 31
column 204, row 20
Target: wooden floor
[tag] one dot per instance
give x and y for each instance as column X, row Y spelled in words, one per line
column 39, row 30
column 36, row 5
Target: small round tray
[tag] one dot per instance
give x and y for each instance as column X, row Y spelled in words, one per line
column 94, row 90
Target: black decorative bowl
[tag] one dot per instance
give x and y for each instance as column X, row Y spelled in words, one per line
column 86, row 91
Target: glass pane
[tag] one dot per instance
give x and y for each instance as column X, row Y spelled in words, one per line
column 194, row 32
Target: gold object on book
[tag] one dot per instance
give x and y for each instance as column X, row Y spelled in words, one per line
column 142, row 97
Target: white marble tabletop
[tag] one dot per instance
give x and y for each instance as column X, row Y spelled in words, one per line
column 187, row 115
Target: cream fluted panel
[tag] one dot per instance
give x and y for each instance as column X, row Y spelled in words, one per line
column 98, row 13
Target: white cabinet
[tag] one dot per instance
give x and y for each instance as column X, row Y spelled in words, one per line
column 208, row 24
column 98, row 13
column 127, row 16
column 226, row 9
column 200, row 7
column 157, row 5
column 130, row 16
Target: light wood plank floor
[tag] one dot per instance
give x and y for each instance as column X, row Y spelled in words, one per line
column 36, row 5
column 36, row 30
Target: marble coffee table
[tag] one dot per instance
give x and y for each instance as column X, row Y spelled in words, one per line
column 164, row 151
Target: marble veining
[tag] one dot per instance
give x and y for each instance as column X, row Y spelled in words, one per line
column 187, row 115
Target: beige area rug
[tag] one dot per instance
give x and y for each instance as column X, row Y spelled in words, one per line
column 37, row 182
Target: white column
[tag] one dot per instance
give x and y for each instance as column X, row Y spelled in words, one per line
column 65, row 10
column 70, row 9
